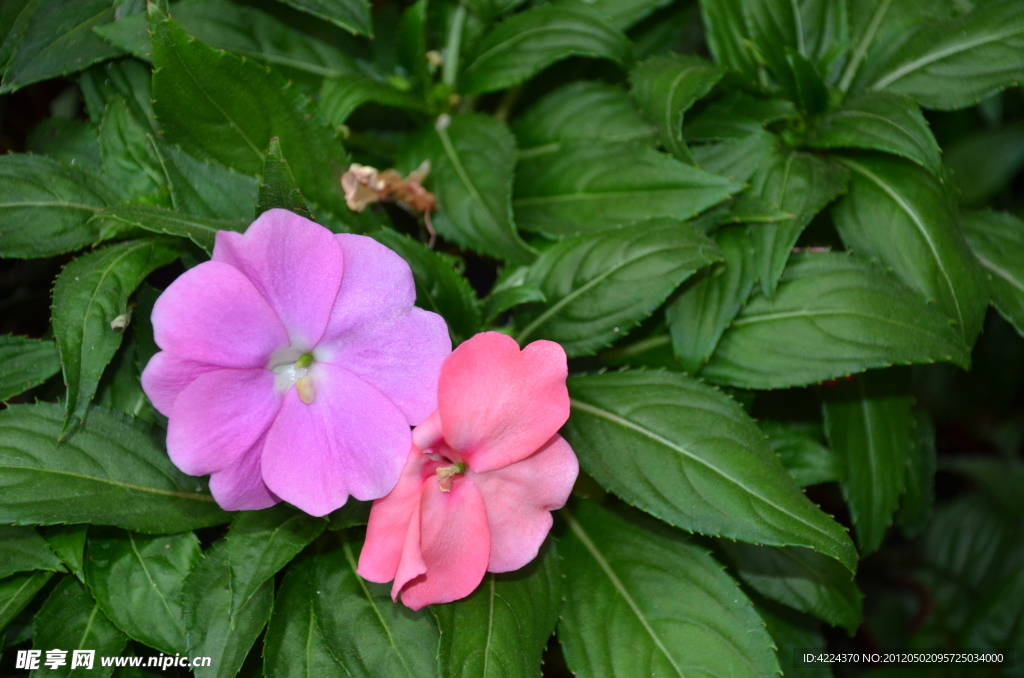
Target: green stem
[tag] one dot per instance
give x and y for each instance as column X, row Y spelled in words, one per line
column 450, row 72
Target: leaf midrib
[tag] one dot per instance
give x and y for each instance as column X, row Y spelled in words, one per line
column 620, row 588
column 116, row 483
column 625, row 423
column 952, row 50
column 569, row 298
column 918, row 222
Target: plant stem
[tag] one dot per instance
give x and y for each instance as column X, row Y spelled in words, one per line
column 450, row 66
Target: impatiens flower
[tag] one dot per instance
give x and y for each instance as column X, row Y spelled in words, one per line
column 293, row 365
column 484, row 473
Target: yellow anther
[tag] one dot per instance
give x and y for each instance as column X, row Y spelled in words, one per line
column 307, row 393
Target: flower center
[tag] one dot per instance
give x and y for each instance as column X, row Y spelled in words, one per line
column 297, row 374
column 446, row 475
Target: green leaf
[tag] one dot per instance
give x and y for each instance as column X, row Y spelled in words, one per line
column 25, row 363
column 228, row 598
column 879, row 121
column 802, row 579
column 129, row 156
column 392, row 641
column 524, row 44
column 901, row 216
column 738, row 158
column 277, row 187
column 802, row 83
column 72, row 142
column 45, row 206
column 115, row 221
column 205, row 189
column 794, row 632
column 14, row 16
column 245, row 31
column 738, row 115
column 472, row 159
column 411, row 47
column 226, row 109
column 128, row 78
column 955, row 63
column 833, row 315
column 340, row 96
column 352, row 15
column 137, row 581
column 707, row 304
column 645, row 601
column 109, row 473
column 916, row 505
column 507, row 298
column 870, row 426
column 23, row 550
column 17, row 592
column 773, row 26
column 666, row 87
column 726, row 35
column 825, row 34
column 439, row 288
column 598, row 287
column 590, row 186
column 997, row 239
column 626, row 13
column 644, row 436
column 294, row 646
column 581, row 110
column 58, row 40
column 68, row 542
column 71, row 619
column 806, row 459
column 89, row 295
column 261, row 543
column 214, row 629
column 985, row 162
column 801, row 184
column 501, row 629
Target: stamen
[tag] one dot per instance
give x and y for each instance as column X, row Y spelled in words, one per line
column 305, row 360
column 446, row 475
column 307, row 393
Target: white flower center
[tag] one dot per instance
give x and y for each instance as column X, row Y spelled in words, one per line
column 296, row 374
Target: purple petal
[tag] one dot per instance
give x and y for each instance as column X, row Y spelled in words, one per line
column 376, row 333
column 240, row 487
column 218, row 417
column 377, row 287
column 402, row 360
column 350, row 440
column 294, row 263
column 213, row 314
column 167, row 375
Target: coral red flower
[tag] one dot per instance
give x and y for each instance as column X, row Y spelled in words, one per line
column 484, row 473
column 293, row 365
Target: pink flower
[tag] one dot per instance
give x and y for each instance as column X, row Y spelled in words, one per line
column 484, row 473
column 293, row 365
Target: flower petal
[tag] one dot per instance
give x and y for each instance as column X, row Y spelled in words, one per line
column 240, row 487
column 499, row 404
column 351, row 440
column 389, row 523
column 377, row 333
column 519, row 500
column 167, row 375
column 401, row 359
column 218, row 417
column 377, row 287
column 428, row 434
column 295, row 264
column 213, row 314
column 454, row 544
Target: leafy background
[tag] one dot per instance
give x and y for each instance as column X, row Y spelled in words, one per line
column 780, row 241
